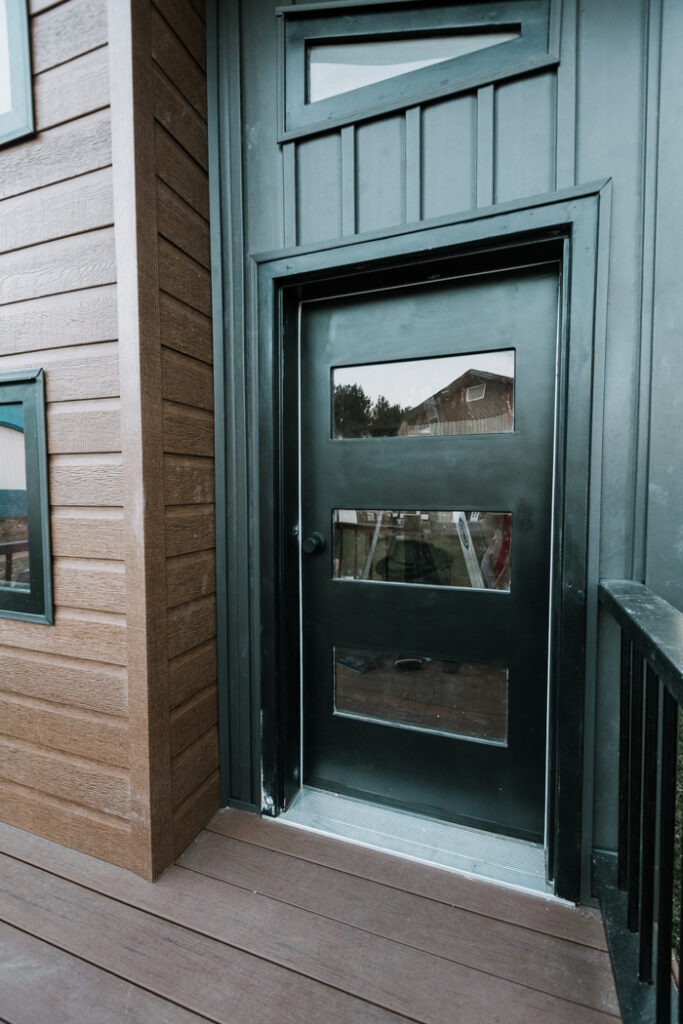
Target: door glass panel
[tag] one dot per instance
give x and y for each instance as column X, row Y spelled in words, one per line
column 445, row 549
column 14, row 559
column 415, row 692
column 464, row 394
column 335, row 68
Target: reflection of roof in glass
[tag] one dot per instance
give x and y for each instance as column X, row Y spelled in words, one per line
column 447, row 411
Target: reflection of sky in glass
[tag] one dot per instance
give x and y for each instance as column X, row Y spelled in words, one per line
column 410, row 382
column 5, row 79
column 12, row 457
column 14, row 553
column 334, row 69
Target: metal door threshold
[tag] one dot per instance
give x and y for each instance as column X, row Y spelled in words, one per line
column 498, row 859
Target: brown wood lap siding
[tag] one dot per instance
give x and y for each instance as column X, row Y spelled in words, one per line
column 64, row 752
column 108, row 719
column 181, row 151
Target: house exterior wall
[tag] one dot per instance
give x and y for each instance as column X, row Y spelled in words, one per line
column 107, row 719
column 108, row 736
column 593, row 117
column 182, row 197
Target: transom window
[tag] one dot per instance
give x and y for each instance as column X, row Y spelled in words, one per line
column 343, row 62
column 337, row 68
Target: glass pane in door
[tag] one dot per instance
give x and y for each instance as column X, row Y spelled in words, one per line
column 447, row 395
column 469, row 549
column 416, row 692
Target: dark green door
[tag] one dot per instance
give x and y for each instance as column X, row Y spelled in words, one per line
column 426, row 474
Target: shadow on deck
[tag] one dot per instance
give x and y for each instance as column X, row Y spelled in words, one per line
column 258, row 922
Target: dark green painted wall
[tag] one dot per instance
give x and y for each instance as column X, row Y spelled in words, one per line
column 595, row 116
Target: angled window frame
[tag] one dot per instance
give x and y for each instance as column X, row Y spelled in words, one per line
column 28, row 388
column 17, row 123
column 351, row 21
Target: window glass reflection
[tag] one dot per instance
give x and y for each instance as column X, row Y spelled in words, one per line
column 14, row 557
column 429, row 694
column 465, row 394
column 445, row 549
column 5, row 65
column 335, row 68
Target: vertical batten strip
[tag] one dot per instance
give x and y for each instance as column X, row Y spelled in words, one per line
column 565, row 121
column 348, row 176
column 485, row 151
column 413, row 164
column 648, row 235
column 289, row 194
column 137, row 266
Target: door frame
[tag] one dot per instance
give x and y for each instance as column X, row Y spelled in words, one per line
column 259, row 712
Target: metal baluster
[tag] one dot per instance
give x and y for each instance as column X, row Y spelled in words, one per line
column 624, row 734
column 647, row 893
column 635, row 788
column 667, row 790
column 680, row 943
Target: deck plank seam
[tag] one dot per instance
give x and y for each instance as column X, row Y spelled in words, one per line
column 398, row 942
column 195, row 931
column 105, row 970
column 293, row 970
column 397, row 888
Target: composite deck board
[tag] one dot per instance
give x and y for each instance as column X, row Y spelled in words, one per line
column 577, row 973
column 577, row 924
column 227, row 953
column 39, row 982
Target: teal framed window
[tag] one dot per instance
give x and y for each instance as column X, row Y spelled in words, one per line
column 25, row 564
column 16, row 93
column 345, row 61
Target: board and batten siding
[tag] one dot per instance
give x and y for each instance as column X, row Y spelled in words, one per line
column 105, row 732
column 593, row 117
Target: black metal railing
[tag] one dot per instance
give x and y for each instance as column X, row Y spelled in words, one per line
column 636, row 893
column 8, row 551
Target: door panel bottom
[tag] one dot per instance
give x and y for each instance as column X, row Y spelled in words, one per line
column 514, row 863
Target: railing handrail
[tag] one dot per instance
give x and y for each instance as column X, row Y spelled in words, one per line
column 13, row 546
column 653, row 625
column 637, row 897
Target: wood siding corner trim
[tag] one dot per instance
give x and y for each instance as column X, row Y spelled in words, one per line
column 137, row 262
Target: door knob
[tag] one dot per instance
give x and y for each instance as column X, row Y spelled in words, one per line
column 314, row 544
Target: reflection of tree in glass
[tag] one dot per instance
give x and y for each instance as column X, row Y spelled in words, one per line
column 386, row 418
column 355, row 415
column 352, row 409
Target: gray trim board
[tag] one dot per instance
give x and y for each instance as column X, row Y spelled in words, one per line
column 578, row 215
column 240, row 755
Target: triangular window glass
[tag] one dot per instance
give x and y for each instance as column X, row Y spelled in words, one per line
column 336, row 68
